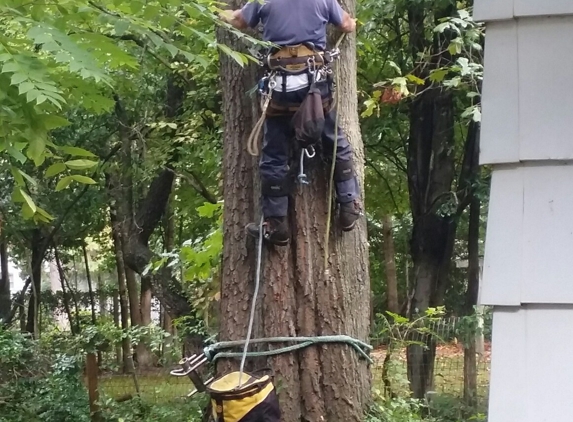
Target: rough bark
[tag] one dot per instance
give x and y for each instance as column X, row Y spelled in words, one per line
column 35, row 297
column 5, row 297
column 392, row 301
column 298, row 297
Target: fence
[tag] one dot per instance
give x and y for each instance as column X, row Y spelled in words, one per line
column 158, row 386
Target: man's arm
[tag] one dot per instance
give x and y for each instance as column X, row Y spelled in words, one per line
column 348, row 23
column 235, row 18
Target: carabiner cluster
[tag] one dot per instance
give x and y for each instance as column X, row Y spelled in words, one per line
column 189, row 367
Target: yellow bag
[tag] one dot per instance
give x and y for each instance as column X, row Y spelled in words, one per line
column 254, row 401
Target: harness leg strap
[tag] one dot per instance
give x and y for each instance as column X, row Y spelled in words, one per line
column 275, row 187
column 343, row 170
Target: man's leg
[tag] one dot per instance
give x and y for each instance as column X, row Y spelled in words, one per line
column 275, row 184
column 347, row 187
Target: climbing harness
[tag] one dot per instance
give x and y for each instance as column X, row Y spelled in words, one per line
column 290, row 61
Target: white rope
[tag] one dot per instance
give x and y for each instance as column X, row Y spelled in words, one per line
column 254, row 303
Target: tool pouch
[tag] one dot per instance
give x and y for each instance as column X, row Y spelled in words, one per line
column 254, row 401
column 308, row 121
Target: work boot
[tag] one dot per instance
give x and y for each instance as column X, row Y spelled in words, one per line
column 349, row 213
column 275, row 230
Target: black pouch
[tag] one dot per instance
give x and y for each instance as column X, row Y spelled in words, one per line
column 308, row 121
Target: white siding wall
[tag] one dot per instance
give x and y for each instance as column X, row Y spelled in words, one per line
column 527, row 136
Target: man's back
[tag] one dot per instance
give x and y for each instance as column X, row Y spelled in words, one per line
column 288, row 22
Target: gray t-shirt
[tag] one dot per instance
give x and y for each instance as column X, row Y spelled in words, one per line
column 288, row 22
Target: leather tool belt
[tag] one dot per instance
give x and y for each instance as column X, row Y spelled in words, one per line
column 286, row 109
column 294, row 59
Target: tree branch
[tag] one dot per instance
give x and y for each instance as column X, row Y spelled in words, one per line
column 193, row 180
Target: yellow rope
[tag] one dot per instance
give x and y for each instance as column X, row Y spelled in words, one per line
column 336, row 103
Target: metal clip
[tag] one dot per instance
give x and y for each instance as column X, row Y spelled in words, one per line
column 189, row 367
column 310, row 152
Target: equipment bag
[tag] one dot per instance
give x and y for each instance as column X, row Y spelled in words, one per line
column 254, row 401
column 308, row 121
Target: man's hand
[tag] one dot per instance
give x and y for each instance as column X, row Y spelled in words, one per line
column 348, row 23
column 233, row 17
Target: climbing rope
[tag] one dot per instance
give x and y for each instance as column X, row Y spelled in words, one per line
column 215, row 351
column 333, row 165
column 254, row 303
column 253, row 141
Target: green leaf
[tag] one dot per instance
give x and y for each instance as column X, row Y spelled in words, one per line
column 77, row 152
column 80, row 164
column 27, row 211
column 83, row 179
column 27, row 177
column 55, row 169
column 36, row 149
column 16, row 154
column 43, row 215
column 121, row 26
column 18, row 78
column 63, row 183
column 52, row 121
column 415, row 79
column 438, row 75
column 172, row 49
column 18, row 178
column 28, row 201
column 25, row 87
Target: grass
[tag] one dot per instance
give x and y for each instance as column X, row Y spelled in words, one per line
column 155, row 388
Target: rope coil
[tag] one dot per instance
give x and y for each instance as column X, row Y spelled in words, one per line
column 216, row 351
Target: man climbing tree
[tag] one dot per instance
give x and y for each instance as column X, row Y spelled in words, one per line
column 318, row 285
column 299, row 31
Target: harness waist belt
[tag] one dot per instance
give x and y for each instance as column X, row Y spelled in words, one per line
column 294, row 58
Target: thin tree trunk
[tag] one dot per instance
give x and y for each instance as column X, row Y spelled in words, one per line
column 144, row 355
column 65, row 294
column 5, row 297
column 298, row 295
column 470, row 361
column 90, row 286
column 35, row 297
column 122, row 292
column 393, row 304
column 116, row 322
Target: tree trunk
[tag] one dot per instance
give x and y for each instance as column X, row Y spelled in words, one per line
column 90, row 285
column 298, row 296
column 139, row 223
column 470, row 361
column 122, row 291
column 393, row 304
column 431, row 173
column 116, row 321
column 144, row 355
column 35, row 297
column 5, row 295
column 65, row 293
